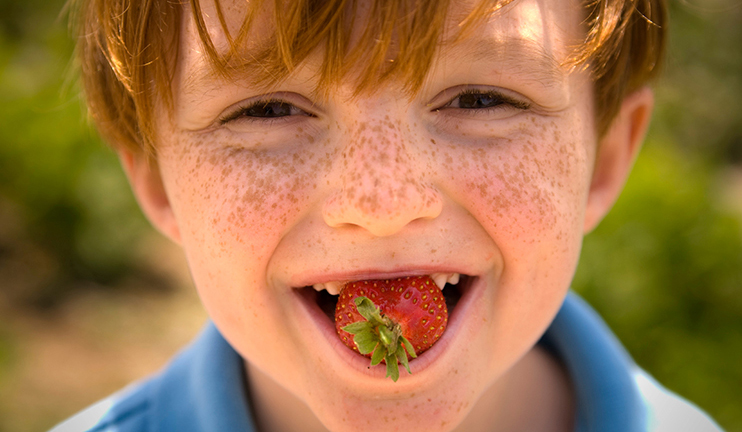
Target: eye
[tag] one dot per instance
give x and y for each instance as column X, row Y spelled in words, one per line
column 477, row 99
column 263, row 110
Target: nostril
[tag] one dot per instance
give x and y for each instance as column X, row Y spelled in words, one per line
column 381, row 212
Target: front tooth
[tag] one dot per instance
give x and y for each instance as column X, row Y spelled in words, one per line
column 318, row 287
column 334, row 288
column 439, row 279
column 453, row 278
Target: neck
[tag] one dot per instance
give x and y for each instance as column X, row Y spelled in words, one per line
column 534, row 395
column 275, row 409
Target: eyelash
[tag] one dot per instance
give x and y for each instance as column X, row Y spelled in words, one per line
column 502, row 101
column 242, row 112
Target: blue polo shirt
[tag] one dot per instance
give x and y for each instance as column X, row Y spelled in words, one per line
column 202, row 389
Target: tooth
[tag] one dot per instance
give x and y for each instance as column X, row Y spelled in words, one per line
column 318, row 287
column 335, row 287
column 453, row 278
column 439, row 279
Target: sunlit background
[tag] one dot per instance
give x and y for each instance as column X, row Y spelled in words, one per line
column 91, row 298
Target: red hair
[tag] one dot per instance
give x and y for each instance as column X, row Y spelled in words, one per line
column 125, row 50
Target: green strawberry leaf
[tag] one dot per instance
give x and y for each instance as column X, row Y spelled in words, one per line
column 392, row 369
column 387, row 338
column 358, row 327
column 368, row 310
column 403, row 358
column 378, row 355
column 408, row 347
column 366, row 342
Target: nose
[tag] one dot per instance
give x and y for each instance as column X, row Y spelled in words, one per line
column 383, row 183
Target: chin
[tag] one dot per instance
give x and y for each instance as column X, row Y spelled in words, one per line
column 425, row 411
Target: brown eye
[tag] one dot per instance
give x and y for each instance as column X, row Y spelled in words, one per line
column 479, row 100
column 269, row 109
column 264, row 111
column 482, row 100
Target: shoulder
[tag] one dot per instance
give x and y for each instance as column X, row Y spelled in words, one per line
column 87, row 419
column 612, row 392
column 123, row 412
column 201, row 389
column 668, row 412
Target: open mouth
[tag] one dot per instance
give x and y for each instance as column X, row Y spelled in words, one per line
column 453, row 287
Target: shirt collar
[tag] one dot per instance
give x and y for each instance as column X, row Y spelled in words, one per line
column 600, row 369
column 204, row 389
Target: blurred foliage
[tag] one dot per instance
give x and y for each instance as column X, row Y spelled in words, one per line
column 67, row 219
column 664, row 269
column 700, row 107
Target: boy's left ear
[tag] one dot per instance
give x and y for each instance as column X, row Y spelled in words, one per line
column 616, row 153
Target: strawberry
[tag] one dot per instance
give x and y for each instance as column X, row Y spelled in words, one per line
column 389, row 319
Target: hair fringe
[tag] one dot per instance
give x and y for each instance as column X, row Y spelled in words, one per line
column 127, row 50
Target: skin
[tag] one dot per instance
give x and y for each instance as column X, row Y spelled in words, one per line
column 379, row 186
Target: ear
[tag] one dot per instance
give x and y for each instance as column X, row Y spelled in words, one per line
column 146, row 182
column 617, row 151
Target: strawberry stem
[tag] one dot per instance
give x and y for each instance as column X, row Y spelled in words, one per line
column 382, row 337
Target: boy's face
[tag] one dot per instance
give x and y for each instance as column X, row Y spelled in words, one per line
column 486, row 173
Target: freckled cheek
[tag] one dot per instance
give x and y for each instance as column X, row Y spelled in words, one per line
column 242, row 203
column 526, row 194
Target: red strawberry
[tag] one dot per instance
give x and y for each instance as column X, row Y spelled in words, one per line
column 384, row 318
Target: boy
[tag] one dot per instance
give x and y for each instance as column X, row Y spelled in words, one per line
column 294, row 148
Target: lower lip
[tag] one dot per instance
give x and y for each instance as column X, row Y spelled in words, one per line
column 360, row 364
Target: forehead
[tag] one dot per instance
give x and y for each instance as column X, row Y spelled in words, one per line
column 534, row 37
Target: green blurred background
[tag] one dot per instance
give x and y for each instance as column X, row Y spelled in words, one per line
column 78, row 263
